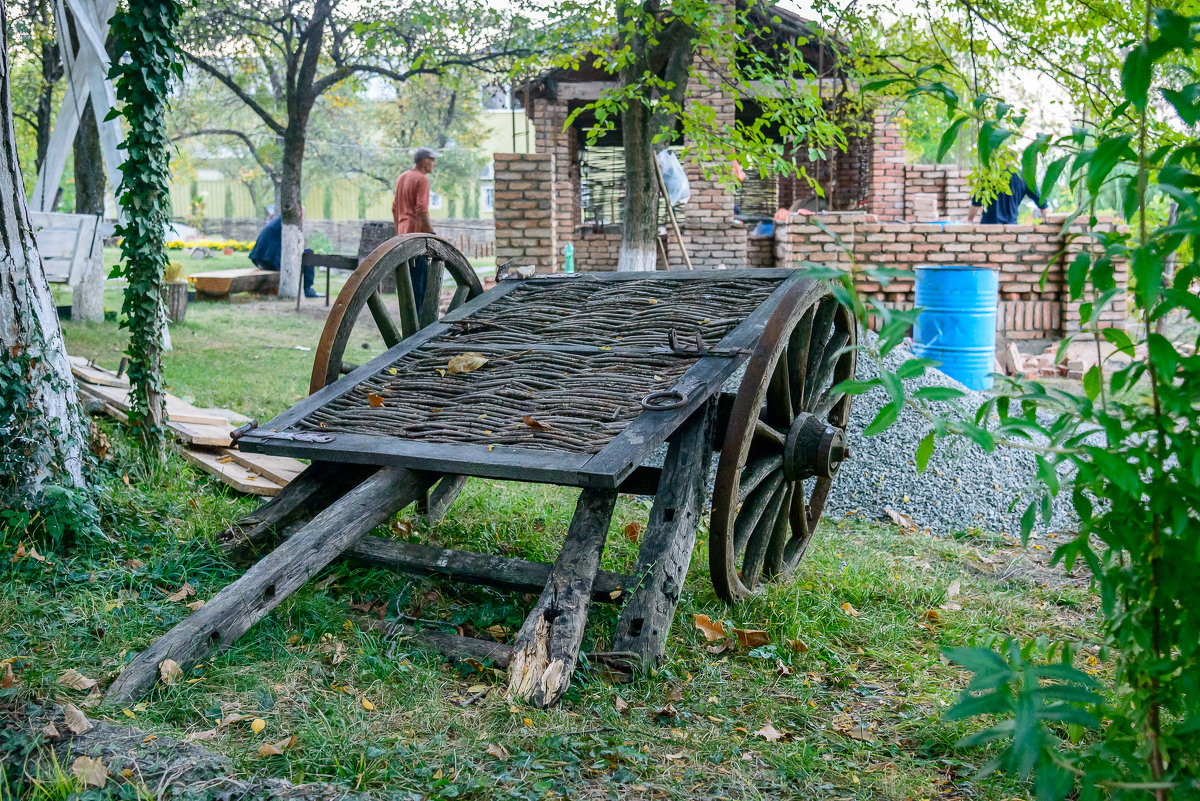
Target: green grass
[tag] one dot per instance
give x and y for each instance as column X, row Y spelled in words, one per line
column 307, row 667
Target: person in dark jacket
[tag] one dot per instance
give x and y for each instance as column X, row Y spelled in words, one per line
column 1003, row 210
column 268, row 252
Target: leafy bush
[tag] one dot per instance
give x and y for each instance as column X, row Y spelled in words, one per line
column 1130, row 441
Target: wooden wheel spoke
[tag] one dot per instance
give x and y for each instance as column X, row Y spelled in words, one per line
column 407, row 299
column 767, row 433
column 825, row 370
column 816, row 502
column 383, row 320
column 779, row 409
column 822, row 321
column 771, row 526
column 797, row 357
column 433, row 292
column 754, row 474
column 347, row 367
column 801, row 531
column 752, row 512
column 460, row 297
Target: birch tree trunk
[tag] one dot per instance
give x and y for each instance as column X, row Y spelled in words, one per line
column 42, row 427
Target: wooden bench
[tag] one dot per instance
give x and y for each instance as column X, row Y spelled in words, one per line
column 72, row 250
column 373, row 235
column 221, row 284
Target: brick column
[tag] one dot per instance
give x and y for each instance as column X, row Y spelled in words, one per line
column 886, row 198
column 526, row 226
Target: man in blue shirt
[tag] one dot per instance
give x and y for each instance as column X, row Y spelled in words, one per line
column 1003, row 210
column 268, row 252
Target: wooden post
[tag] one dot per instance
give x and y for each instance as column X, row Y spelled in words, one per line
column 666, row 549
column 225, row 618
column 547, row 647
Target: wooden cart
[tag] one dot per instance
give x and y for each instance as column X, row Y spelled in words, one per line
column 574, row 380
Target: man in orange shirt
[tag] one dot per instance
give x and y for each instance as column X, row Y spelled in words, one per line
column 410, row 211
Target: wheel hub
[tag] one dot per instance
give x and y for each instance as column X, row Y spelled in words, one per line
column 814, row 448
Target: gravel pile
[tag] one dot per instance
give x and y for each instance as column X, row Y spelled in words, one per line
column 962, row 487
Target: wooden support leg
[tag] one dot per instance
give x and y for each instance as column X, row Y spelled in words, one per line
column 317, row 486
column 547, row 647
column 246, row 601
column 437, row 501
column 666, row 550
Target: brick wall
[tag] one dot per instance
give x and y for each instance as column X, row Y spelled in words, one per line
column 1021, row 253
column 760, row 251
column 474, row 237
column 935, row 192
column 526, row 228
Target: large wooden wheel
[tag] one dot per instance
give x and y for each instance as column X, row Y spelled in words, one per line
column 784, row 442
column 364, row 289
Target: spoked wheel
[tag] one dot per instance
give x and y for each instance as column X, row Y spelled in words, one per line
column 363, row 289
column 784, row 442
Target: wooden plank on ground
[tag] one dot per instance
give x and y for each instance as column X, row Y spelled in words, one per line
column 221, row 466
column 280, row 469
column 203, row 436
column 178, row 411
column 92, row 374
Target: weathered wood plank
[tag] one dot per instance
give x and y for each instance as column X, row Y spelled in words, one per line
column 280, row 469
column 546, row 649
column 318, row 486
column 666, row 549
column 93, row 374
column 222, row 283
column 232, row 611
column 228, row 471
column 442, row 496
column 474, row 568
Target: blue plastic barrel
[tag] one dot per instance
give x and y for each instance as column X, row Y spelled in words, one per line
column 958, row 323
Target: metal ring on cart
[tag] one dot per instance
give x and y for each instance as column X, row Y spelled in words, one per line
column 664, row 400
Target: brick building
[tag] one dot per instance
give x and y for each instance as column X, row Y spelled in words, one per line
column 570, row 193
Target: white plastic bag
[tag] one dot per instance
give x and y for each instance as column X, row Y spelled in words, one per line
column 678, row 188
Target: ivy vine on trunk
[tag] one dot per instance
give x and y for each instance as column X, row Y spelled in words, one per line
column 146, row 31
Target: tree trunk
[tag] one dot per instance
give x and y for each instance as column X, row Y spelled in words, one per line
column 640, row 129
column 291, row 208
column 42, row 428
column 88, row 298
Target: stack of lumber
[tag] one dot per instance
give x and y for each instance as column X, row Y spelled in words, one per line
column 202, row 436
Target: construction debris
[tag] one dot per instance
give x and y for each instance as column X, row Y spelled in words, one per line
column 202, row 435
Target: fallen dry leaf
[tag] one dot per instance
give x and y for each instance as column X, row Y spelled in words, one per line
column 51, row 731
column 633, row 531
column 770, row 733
column 187, row 590
column 799, row 646
column 90, row 772
column 752, row 638
column 850, row 610
column 207, row 734
column 74, row 680
column 536, row 425
column 195, row 606
column 886, row 767
column 375, row 400
column 276, row 748
column 620, row 705
column 953, row 590
column 674, row 694
column 497, row 751
column 932, row 616
column 668, row 711
column 9, row 678
column 712, row 630
column 861, row 733
column 257, row 725
column 169, row 671
column 76, row 721
column 900, row 518
column 782, row 669
column 19, row 553
column 367, row 705
column 466, row 362
column 720, row 647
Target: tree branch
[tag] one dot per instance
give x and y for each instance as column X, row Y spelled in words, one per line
column 241, row 93
column 246, row 140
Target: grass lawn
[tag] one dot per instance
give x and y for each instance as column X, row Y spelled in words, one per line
column 861, row 701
